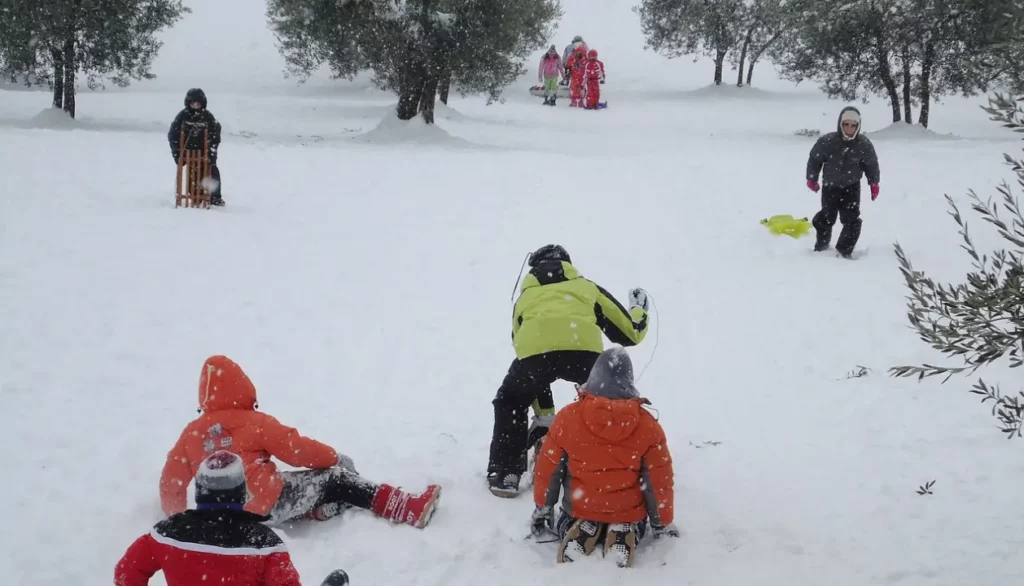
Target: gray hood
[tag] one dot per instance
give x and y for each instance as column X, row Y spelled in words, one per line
column 612, row 376
column 839, row 122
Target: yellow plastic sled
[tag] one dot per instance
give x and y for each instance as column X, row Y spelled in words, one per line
column 788, row 225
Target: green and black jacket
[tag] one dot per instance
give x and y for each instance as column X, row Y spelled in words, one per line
column 560, row 310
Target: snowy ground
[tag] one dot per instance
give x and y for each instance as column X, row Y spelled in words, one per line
column 361, row 274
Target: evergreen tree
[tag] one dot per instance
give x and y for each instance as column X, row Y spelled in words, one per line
column 688, row 27
column 982, row 319
column 50, row 41
column 415, row 47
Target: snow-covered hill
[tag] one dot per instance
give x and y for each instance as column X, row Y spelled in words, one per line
column 361, row 274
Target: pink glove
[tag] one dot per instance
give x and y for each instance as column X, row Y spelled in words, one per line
column 813, row 186
column 874, row 191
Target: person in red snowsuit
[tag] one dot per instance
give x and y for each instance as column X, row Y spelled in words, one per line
column 576, row 64
column 593, row 77
column 218, row 542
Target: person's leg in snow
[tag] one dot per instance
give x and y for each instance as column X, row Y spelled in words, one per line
column 550, row 90
column 593, row 94
column 321, row 494
column 849, row 216
column 528, row 380
column 826, row 217
column 215, row 194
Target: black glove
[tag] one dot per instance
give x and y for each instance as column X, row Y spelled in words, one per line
column 664, row 530
column 542, row 521
column 538, row 429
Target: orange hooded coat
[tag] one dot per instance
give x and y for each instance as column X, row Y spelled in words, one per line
column 607, row 453
column 230, row 422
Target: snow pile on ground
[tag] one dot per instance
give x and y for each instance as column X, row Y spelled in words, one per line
column 902, row 130
column 53, row 119
column 392, row 130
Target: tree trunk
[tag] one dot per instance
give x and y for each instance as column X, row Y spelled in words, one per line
column 908, row 114
column 429, row 93
column 885, row 74
column 409, row 96
column 719, row 61
column 743, row 56
column 70, row 67
column 58, row 78
column 925, row 95
column 446, row 85
column 750, row 69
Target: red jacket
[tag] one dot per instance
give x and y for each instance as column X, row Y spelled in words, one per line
column 593, row 71
column 218, row 547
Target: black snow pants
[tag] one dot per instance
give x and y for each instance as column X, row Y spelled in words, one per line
column 215, row 194
column 528, row 380
column 305, row 490
column 845, row 203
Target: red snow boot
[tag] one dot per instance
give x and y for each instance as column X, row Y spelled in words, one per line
column 398, row 506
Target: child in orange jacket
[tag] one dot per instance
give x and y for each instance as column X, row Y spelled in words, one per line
column 229, row 421
column 576, row 64
column 610, row 455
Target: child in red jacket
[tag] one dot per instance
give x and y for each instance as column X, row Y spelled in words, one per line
column 576, row 64
column 218, row 542
column 593, row 77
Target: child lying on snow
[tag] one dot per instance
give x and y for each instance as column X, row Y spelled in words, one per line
column 611, row 456
column 229, row 421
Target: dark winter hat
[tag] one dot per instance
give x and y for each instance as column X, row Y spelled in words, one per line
column 195, row 95
column 549, row 253
column 612, row 375
column 220, row 482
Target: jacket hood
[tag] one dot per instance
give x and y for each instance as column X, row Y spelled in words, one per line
column 224, row 385
column 850, row 112
column 612, row 375
column 547, row 272
column 611, row 404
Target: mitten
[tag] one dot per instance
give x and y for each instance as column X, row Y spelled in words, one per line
column 638, row 298
column 813, row 185
column 874, row 191
column 346, row 463
column 664, row 530
column 539, row 428
column 542, row 521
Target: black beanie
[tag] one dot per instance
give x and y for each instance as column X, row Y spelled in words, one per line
column 220, row 482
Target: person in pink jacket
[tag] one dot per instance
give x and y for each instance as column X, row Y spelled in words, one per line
column 548, row 72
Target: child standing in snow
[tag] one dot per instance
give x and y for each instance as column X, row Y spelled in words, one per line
column 611, row 456
column 557, row 328
column 842, row 157
column 577, row 64
column 593, row 77
column 194, row 120
column 229, row 421
column 548, row 72
column 571, row 48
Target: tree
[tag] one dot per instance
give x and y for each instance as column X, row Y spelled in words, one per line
column 414, row 47
column 687, row 27
column 50, row 41
column 980, row 320
column 765, row 23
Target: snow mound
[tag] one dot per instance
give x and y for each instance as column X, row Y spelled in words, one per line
column 902, row 130
column 391, row 130
column 729, row 90
column 53, row 119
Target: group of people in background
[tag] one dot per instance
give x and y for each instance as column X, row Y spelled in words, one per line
column 577, row 67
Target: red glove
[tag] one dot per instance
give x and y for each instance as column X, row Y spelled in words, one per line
column 813, row 186
column 874, row 191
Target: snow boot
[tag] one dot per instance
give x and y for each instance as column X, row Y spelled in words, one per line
column 217, row 201
column 819, row 246
column 505, row 485
column 620, row 543
column 580, row 540
column 398, row 506
column 547, row 101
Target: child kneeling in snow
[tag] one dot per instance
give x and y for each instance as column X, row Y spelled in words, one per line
column 611, row 456
column 229, row 421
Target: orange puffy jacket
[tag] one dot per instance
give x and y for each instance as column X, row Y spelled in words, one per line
column 230, row 422
column 611, row 457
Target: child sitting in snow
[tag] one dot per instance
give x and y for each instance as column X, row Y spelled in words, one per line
column 229, row 421
column 611, row 456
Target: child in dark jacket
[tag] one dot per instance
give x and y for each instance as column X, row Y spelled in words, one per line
column 194, row 119
column 842, row 157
